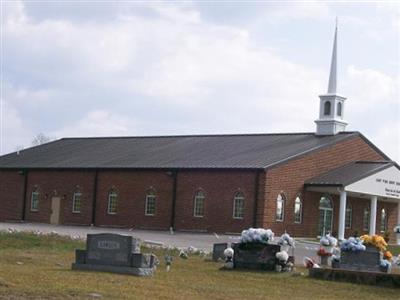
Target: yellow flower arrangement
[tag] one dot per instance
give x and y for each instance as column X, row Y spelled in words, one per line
column 375, row 240
column 387, row 255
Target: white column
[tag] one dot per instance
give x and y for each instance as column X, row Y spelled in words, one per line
column 372, row 217
column 342, row 214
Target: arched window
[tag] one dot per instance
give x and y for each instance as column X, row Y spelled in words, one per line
column 35, row 200
column 383, row 220
column 366, row 217
column 112, row 203
column 339, row 109
column 77, row 202
column 325, row 215
column 199, row 204
column 298, row 207
column 150, row 209
column 348, row 216
column 238, row 206
column 280, row 207
column 327, row 108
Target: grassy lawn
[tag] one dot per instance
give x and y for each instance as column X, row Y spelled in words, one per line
column 39, row 267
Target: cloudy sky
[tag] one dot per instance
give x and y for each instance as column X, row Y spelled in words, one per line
column 111, row 68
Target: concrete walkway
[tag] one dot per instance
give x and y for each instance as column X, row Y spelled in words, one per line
column 201, row 241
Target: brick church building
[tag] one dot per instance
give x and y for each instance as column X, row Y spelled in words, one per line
column 308, row 184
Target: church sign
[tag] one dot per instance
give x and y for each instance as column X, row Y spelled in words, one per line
column 385, row 183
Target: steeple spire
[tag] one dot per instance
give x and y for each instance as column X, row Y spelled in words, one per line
column 332, row 74
column 331, row 107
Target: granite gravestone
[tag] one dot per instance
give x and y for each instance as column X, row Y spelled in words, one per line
column 114, row 253
column 218, row 251
column 255, row 256
column 368, row 260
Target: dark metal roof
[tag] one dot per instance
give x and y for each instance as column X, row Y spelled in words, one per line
column 349, row 173
column 245, row 151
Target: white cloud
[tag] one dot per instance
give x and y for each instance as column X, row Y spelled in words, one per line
column 170, row 72
column 96, row 123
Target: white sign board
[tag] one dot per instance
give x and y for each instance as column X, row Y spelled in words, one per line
column 385, row 183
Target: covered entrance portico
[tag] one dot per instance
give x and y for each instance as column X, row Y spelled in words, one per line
column 375, row 181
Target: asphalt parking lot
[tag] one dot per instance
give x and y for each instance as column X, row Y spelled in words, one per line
column 201, row 241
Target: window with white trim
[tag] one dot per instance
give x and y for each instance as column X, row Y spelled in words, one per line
column 298, row 208
column 383, row 220
column 77, row 202
column 150, row 209
column 348, row 216
column 112, row 203
column 366, row 219
column 280, row 207
column 199, row 199
column 35, row 201
column 238, row 206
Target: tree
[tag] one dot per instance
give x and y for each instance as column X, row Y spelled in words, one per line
column 41, row 139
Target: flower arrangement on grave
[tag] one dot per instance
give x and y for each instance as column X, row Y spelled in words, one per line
column 328, row 241
column 327, row 246
column 387, row 255
column 374, row 240
column 353, row 244
column 286, row 240
column 254, row 237
column 228, row 253
column 323, row 253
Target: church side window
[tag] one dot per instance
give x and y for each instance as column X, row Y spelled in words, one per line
column 150, row 209
column 77, row 202
column 298, row 207
column 366, row 217
column 199, row 204
column 238, row 206
column 383, row 220
column 327, row 108
column 35, row 201
column 112, row 203
column 280, row 207
column 348, row 216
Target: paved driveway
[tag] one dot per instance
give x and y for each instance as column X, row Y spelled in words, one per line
column 201, row 241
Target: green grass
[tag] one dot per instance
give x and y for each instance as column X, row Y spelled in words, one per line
column 39, row 267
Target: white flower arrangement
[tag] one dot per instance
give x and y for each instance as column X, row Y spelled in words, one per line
column 397, row 229
column 257, row 235
column 328, row 241
column 286, row 240
column 352, row 244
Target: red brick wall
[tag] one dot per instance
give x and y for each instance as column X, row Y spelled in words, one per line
column 62, row 184
column 220, row 188
column 131, row 188
column 11, row 194
column 289, row 178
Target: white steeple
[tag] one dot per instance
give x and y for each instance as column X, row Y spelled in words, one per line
column 331, row 107
column 332, row 74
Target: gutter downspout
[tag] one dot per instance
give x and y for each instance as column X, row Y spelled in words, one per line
column 256, row 190
column 93, row 223
column 23, row 217
column 174, row 188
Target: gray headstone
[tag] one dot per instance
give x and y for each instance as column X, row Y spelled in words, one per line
column 140, row 260
column 368, row 260
column 255, row 256
column 80, row 256
column 218, row 251
column 109, row 249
